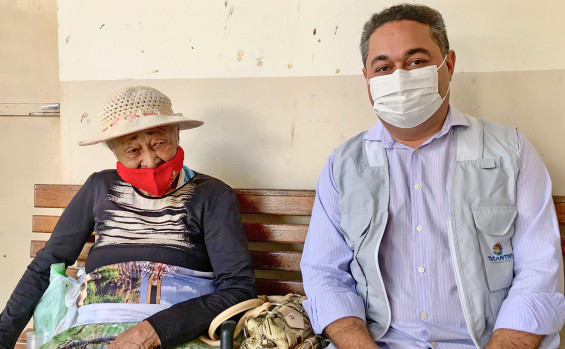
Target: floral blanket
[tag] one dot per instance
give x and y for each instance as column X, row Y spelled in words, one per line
column 98, row 336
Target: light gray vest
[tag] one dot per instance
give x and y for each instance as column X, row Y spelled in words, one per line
column 480, row 225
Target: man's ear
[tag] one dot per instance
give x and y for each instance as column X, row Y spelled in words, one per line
column 450, row 62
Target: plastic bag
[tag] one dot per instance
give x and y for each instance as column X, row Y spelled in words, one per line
column 56, row 310
column 71, row 302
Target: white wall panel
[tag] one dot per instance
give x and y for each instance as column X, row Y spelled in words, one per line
column 181, row 39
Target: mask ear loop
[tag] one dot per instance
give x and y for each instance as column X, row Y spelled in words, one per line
column 449, row 86
column 443, row 62
column 444, row 97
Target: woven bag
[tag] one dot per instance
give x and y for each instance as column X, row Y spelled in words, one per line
column 270, row 322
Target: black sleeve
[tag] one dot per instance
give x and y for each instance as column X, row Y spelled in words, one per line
column 233, row 272
column 64, row 246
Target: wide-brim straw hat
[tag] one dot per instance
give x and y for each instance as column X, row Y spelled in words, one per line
column 135, row 109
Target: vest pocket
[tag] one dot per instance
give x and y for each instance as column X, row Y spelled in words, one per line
column 495, row 228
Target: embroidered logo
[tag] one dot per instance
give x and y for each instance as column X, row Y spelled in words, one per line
column 498, row 256
column 497, row 249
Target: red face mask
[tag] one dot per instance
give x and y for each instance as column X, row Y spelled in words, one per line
column 156, row 180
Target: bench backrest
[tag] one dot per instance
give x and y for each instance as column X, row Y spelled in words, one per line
column 275, row 244
column 269, row 221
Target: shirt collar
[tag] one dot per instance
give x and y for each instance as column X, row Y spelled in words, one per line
column 185, row 175
column 454, row 118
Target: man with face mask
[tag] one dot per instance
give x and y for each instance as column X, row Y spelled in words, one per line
column 438, row 229
column 170, row 252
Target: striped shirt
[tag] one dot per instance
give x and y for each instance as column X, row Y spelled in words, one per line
column 414, row 255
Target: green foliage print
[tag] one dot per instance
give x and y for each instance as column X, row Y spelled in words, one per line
column 116, row 283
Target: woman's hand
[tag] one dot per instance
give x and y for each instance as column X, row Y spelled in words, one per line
column 140, row 336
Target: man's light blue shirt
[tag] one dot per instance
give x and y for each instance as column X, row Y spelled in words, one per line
column 415, row 257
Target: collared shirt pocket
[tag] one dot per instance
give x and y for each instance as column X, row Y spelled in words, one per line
column 495, row 229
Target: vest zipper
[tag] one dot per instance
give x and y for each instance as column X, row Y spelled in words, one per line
column 381, row 282
column 462, row 297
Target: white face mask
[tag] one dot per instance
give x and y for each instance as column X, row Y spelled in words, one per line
column 407, row 98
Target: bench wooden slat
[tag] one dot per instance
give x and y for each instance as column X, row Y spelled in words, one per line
column 278, row 287
column 251, row 201
column 283, row 233
column 43, row 223
column 54, row 195
column 22, row 338
column 256, row 232
column 72, row 272
column 276, row 260
column 560, row 208
column 276, row 202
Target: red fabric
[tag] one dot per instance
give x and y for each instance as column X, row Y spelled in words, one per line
column 156, row 180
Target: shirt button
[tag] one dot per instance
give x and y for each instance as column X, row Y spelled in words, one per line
column 417, row 150
column 418, row 186
column 424, row 316
column 419, row 228
column 434, row 344
column 421, row 269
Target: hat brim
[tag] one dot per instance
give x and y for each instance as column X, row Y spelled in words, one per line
column 126, row 127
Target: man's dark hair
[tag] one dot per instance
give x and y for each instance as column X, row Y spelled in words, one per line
column 418, row 13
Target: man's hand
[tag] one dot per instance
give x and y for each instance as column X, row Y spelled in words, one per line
column 140, row 336
column 506, row 338
column 350, row 333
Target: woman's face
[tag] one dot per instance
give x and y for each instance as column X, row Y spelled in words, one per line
column 148, row 148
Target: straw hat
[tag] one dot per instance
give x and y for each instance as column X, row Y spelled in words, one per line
column 137, row 108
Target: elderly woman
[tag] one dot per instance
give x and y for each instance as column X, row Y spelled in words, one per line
column 170, row 252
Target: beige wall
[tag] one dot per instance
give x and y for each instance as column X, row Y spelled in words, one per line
column 221, row 39
column 283, row 137
column 28, row 51
column 268, row 125
column 33, row 157
column 30, row 145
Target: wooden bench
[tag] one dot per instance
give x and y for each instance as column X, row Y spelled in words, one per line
column 275, row 222
column 275, row 245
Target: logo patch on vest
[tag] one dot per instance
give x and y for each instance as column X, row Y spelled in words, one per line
column 498, row 256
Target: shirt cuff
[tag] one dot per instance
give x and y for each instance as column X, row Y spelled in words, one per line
column 540, row 313
column 325, row 308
